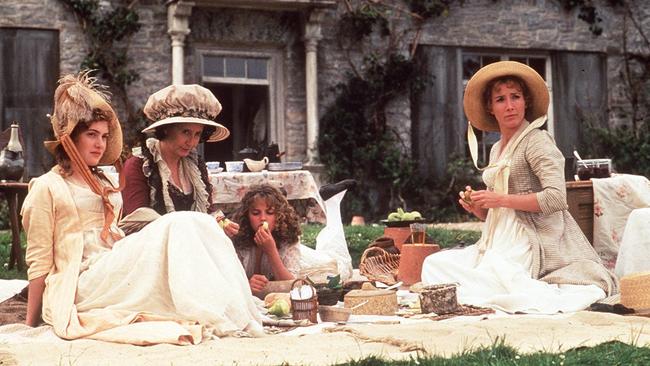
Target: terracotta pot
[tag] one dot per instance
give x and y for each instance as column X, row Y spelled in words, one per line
column 399, row 235
column 358, row 221
column 410, row 263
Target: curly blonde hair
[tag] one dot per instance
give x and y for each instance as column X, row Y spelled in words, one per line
column 287, row 223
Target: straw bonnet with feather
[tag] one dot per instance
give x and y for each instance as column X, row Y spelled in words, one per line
column 185, row 104
column 78, row 98
column 474, row 105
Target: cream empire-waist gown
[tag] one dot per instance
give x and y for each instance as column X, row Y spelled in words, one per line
column 181, row 267
column 502, row 278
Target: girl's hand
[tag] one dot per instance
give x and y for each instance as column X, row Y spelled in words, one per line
column 258, row 282
column 231, row 229
column 264, row 240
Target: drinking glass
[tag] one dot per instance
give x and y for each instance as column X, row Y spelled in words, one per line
column 418, row 231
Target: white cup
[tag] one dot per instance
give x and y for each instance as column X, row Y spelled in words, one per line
column 235, row 166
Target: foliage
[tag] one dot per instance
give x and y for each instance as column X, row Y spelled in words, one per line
column 360, row 22
column 5, row 252
column 629, row 151
column 108, row 33
column 355, row 139
column 431, row 8
column 588, row 13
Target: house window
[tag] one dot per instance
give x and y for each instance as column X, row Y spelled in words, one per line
column 473, row 61
column 249, row 86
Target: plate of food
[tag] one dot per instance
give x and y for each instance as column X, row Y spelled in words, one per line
column 289, row 165
column 401, row 218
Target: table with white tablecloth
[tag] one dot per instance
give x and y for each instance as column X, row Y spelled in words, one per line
column 300, row 187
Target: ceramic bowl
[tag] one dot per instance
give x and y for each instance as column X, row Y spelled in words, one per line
column 212, row 166
column 235, row 166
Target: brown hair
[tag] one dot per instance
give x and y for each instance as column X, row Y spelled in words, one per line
column 287, row 223
column 508, row 79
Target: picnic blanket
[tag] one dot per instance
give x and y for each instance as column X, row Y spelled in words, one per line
column 334, row 344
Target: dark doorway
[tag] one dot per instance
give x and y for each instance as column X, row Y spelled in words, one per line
column 29, row 68
column 245, row 114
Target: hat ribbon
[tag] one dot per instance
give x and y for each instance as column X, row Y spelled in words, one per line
column 102, row 191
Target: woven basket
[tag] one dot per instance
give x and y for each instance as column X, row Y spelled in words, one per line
column 379, row 265
column 635, row 291
column 307, row 308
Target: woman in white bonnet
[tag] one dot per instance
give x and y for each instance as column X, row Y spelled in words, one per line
column 169, row 175
column 178, row 280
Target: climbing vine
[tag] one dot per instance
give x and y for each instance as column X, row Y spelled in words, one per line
column 108, row 32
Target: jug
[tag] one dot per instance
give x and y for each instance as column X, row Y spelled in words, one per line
column 12, row 164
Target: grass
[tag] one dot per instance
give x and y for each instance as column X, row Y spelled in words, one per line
column 359, row 237
column 500, row 354
column 5, row 251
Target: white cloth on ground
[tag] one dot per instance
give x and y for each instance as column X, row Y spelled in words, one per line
column 634, row 253
column 331, row 255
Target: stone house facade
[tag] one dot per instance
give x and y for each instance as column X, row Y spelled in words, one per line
column 273, row 64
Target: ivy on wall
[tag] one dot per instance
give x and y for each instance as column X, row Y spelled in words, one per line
column 108, row 33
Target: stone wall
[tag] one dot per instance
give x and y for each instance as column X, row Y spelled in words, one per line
column 508, row 25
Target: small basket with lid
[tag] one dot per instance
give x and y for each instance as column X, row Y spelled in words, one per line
column 304, row 301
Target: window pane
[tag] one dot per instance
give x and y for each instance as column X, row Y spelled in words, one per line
column 235, row 67
column 523, row 60
column 257, row 68
column 490, row 59
column 539, row 65
column 213, row 66
column 471, row 64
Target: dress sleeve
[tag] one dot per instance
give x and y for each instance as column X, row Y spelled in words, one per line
column 38, row 221
column 547, row 163
column 290, row 255
column 136, row 188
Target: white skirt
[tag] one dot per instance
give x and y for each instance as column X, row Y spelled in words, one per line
column 502, row 279
column 181, row 266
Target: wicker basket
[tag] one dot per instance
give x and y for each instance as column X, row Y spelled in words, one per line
column 307, row 308
column 379, row 265
column 635, row 291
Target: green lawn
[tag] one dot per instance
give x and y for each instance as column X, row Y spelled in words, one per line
column 610, row 353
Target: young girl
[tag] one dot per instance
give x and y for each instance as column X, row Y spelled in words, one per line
column 268, row 242
column 175, row 281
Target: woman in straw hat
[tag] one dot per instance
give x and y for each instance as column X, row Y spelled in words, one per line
column 88, row 280
column 532, row 256
column 169, row 175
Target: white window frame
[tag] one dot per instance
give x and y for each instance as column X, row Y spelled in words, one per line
column 274, row 80
column 504, row 56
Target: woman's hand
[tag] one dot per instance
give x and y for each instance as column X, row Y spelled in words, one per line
column 264, row 240
column 258, row 283
column 488, row 199
column 231, row 229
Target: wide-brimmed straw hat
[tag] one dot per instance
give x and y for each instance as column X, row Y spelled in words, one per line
column 78, row 98
column 635, row 291
column 185, row 104
column 475, row 108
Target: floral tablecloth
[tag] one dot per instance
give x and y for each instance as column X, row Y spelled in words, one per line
column 614, row 199
column 300, row 186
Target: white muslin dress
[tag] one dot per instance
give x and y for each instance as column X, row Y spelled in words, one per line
column 501, row 278
column 181, row 267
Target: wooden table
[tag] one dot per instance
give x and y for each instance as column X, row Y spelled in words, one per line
column 14, row 193
column 580, row 198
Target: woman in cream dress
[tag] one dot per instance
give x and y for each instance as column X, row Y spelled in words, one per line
column 177, row 280
column 532, row 256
